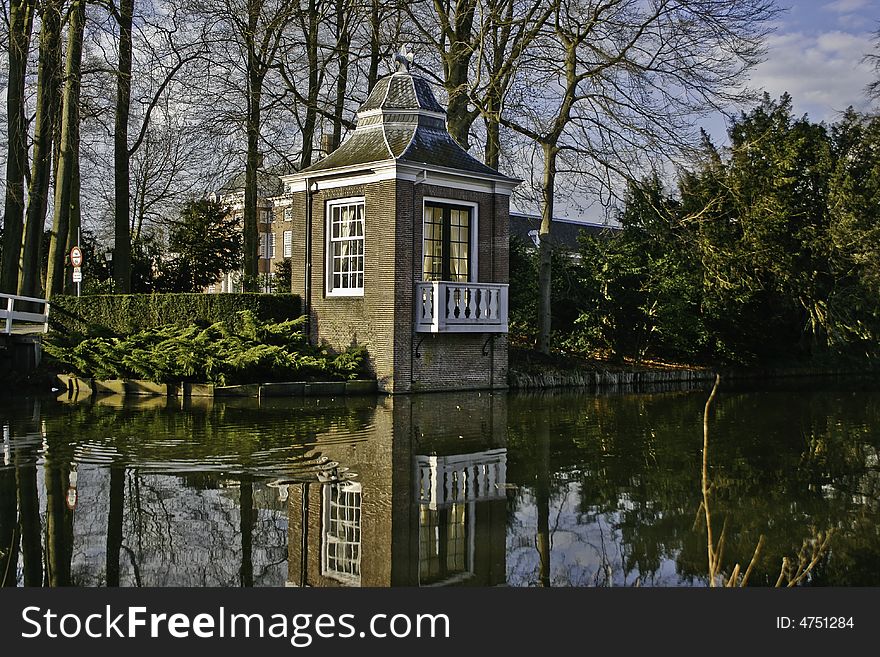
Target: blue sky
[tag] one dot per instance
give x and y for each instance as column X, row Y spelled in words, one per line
column 816, row 55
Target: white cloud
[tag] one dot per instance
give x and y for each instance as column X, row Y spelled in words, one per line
column 823, row 72
column 846, row 6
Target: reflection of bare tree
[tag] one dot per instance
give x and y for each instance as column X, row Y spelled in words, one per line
column 29, row 514
column 59, row 523
column 116, row 508
column 246, row 529
column 542, row 502
column 792, row 573
column 9, row 537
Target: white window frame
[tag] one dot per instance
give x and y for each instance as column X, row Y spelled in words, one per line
column 473, row 264
column 288, row 213
column 287, row 244
column 330, row 291
column 353, row 519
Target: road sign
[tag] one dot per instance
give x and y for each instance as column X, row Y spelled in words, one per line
column 76, row 257
column 77, row 274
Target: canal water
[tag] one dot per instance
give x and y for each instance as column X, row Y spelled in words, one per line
column 549, row 489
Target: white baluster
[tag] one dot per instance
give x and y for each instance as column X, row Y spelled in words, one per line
column 429, row 304
column 493, row 304
column 472, row 303
column 484, row 302
column 450, row 306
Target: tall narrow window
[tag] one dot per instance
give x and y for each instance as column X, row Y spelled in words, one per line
column 288, row 243
column 345, row 247
column 447, row 242
column 341, row 532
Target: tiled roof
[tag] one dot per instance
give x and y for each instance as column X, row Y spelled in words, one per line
column 402, row 120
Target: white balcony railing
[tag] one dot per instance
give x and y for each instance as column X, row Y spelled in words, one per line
column 445, row 307
column 477, row 477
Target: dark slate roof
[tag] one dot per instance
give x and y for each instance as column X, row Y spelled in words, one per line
column 402, row 91
column 563, row 233
column 268, row 184
column 402, row 120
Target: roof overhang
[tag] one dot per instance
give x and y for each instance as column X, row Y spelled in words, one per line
column 362, row 174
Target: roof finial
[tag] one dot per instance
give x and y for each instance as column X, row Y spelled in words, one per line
column 403, row 59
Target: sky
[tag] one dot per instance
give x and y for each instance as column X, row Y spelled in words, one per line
column 816, row 54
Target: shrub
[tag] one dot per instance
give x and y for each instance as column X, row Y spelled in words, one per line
column 238, row 350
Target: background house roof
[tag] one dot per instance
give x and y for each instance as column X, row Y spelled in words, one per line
column 564, row 233
column 268, row 184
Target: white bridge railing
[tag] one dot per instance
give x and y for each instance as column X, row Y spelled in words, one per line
column 11, row 315
column 445, row 307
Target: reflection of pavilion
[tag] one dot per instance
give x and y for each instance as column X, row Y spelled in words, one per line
column 449, row 490
column 407, row 510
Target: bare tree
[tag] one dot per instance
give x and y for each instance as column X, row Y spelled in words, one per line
column 48, row 82
column 21, row 19
column 611, row 87
column 65, row 178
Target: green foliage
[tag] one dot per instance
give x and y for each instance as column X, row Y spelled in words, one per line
column 206, row 243
column 125, row 314
column 770, row 251
column 239, row 350
column 283, row 281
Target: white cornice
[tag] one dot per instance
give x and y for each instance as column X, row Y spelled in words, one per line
column 395, row 170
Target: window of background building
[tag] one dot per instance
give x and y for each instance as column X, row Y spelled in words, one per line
column 288, row 244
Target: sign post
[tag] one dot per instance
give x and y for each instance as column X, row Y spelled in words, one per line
column 76, row 259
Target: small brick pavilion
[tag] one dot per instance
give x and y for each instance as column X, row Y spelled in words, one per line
column 401, row 244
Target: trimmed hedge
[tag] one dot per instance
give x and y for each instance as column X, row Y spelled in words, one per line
column 125, row 314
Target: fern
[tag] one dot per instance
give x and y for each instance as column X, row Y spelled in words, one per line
column 214, row 354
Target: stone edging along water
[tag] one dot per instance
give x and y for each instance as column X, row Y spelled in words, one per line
column 597, row 379
column 75, row 384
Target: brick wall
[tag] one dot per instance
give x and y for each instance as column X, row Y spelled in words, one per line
column 382, row 320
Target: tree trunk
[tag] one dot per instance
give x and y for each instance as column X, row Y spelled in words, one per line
column 457, row 69
column 375, row 46
column 252, row 164
column 311, row 121
column 121, row 158
column 545, row 249
column 64, row 179
column 343, row 43
column 21, row 20
column 48, row 78
column 493, row 143
column 75, row 216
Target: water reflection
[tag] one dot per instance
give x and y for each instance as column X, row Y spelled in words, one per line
column 415, row 507
column 523, row 490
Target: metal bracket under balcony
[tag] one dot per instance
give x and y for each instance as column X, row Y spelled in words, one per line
column 446, row 307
